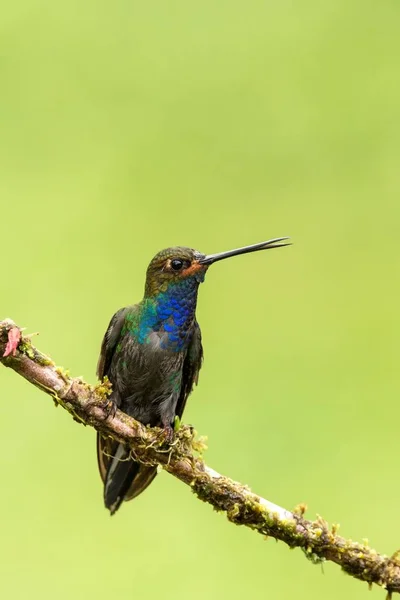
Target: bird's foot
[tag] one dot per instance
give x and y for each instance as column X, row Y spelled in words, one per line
column 167, row 434
column 108, row 406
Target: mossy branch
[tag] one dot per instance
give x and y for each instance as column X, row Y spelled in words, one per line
column 182, row 458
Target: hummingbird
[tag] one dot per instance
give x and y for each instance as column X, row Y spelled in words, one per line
column 152, row 354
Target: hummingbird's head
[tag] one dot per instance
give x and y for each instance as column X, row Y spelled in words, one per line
column 173, row 265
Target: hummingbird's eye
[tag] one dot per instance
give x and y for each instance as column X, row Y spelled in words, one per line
column 176, row 264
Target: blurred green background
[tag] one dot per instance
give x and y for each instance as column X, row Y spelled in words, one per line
column 127, row 127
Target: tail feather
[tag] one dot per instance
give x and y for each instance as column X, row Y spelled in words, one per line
column 120, row 475
column 123, row 477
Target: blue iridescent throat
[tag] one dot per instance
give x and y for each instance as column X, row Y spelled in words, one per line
column 172, row 313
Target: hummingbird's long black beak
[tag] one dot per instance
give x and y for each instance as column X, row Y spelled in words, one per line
column 209, row 259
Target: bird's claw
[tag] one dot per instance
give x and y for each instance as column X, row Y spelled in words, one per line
column 167, row 434
column 108, row 406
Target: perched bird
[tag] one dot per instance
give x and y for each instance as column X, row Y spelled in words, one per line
column 152, row 354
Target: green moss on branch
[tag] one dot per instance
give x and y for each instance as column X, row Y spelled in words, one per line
column 183, row 459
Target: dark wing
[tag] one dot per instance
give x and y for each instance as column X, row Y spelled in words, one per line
column 123, row 478
column 191, row 368
column 109, row 343
column 106, row 446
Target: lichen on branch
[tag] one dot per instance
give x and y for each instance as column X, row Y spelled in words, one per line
column 183, row 459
